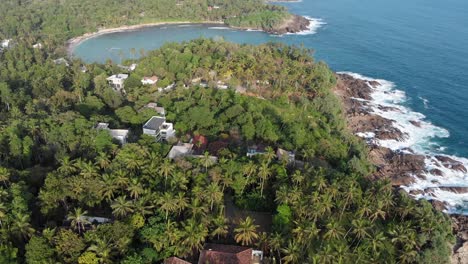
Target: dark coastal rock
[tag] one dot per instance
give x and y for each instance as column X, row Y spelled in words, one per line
column 293, row 25
column 438, row 205
column 415, row 123
column 398, row 167
column 374, row 83
column 450, row 163
column 455, row 189
column 436, row 172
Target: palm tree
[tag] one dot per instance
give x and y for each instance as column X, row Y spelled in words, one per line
column 264, row 173
column 121, row 207
column 334, row 231
column 88, row 170
column 3, row 211
column 109, row 187
column 359, row 228
column 198, row 209
column 269, row 154
column 249, row 169
column 102, row 160
column 246, row 232
column 167, row 203
column 194, row 235
column 292, row 253
column 213, row 194
column 135, row 188
column 207, row 160
column 166, row 169
column 102, row 249
column 67, row 167
column 141, row 207
column 276, row 244
column 181, row 202
column 78, row 219
column 220, row 227
column 4, row 176
column 21, row 226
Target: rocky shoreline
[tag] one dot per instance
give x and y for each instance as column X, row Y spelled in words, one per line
column 401, row 167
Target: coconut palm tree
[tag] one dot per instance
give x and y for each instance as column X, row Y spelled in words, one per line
column 269, row 154
column 213, row 194
column 292, row 253
column 207, row 160
column 135, row 188
column 166, row 169
column 194, row 235
column 121, row 207
column 3, row 215
column 264, row 172
column 78, row 219
column 67, row 167
column 4, row 176
column 246, row 232
column 21, row 227
column 102, row 161
column 167, row 203
column 334, row 231
column 220, row 226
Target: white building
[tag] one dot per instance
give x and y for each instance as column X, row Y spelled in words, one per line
column 159, row 128
column 160, row 110
column 61, row 61
column 180, row 150
column 117, row 81
column 5, row 43
column 149, row 80
column 37, row 46
column 119, row 134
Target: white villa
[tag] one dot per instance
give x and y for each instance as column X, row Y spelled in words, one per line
column 37, row 46
column 117, row 81
column 180, row 150
column 5, row 43
column 282, row 154
column 120, row 134
column 159, row 128
column 149, row 80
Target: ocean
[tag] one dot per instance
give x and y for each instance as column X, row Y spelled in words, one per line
column 418, row 49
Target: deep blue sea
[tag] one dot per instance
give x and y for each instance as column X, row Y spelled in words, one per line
column 421, row 46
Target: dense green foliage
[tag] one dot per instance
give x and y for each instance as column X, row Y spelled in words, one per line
column 54, row 21
column 55, row 169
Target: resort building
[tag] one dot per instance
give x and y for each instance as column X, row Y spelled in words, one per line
column 120, row 135
column 180, row 150
column 149, row 80
column 255, row 150
column 175, row 260
column 117, row 81
column 222, row 254
column 37, row 46
column 159, row 128
column 5, row 43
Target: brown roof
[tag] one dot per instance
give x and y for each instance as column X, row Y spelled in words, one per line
column 225, row 254
column 175, row 260
column 153, row 78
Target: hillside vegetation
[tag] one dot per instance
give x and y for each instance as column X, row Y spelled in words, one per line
column 55, row 168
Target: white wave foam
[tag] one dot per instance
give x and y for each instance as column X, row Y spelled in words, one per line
column 419, row 135
column 425, row 102
column 315, row 24
column 218, row 28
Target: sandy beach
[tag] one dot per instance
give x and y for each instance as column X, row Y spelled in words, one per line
column 72, row 43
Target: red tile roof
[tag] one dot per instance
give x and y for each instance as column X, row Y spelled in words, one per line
column 225, row 254
column 175, row 260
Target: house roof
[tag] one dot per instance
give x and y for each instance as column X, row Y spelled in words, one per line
column 154, row 123
column 175, row 260
column 119, row 133
column 102, row 126
column 225, row 254
column 152, row 78
column 180, row 150
column 120, row 76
